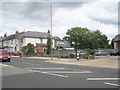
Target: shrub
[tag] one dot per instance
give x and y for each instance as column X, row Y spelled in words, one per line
column 63, row 56
column 71, row 55
column 86, row 56
column 91, row 57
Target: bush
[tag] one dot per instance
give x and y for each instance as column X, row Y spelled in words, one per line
column 63, row 56
column 91, row 57
column 71, row 55
column 45, row 55
column 86, row 56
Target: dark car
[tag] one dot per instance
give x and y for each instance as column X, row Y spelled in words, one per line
column 115, row 53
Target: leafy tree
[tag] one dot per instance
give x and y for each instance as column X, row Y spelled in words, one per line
column 102, row 40
column 28, row 49
column 76, row 37
column 49, row 44
column 112, row 44
column 83, row 38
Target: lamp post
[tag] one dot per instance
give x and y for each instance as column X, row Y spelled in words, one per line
column 50, row 2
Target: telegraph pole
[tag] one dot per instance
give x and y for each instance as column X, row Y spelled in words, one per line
column 51, row 26
column 50, row 5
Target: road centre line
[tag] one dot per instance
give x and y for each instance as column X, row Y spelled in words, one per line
column 49, row 73
column 112, row 84
column 103, row 78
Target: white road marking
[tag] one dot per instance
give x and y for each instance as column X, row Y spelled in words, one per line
column 49, row 73
column 37, row 64
column 5, row 65
column 48, row 68
column 28, row 63
column 107, row 83
column 72, row 72
column 103, row 78
column 31, row 63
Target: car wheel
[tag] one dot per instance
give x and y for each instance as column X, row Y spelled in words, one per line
column 8, row 60
column 3, row 61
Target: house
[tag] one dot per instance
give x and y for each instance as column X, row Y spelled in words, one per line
column 116, row 41
column 15, row 42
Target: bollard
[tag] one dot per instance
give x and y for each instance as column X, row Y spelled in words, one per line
column 77, row 56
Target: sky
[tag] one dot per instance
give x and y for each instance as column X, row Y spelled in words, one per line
column 35, row 16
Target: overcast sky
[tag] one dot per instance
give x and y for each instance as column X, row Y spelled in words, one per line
column 35, row 16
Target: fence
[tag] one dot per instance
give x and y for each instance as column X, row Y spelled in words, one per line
column 63, row 53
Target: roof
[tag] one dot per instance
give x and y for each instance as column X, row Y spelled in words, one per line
column 31, row 34
column 117, row 38
column 35, row 34
column 13, row 36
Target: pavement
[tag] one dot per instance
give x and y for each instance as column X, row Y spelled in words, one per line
column 99, row 61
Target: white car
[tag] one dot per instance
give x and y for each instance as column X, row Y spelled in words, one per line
column 100, row 52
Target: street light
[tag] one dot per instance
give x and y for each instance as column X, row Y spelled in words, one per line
column 50, row 2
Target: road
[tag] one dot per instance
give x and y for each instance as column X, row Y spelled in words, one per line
column 35, row 73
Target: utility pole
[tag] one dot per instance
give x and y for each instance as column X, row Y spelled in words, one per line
column 51, row 26
column 50, row 5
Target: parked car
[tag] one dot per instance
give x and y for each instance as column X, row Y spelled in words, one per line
column 16, row 53
column 114, row 53
column 92, row 52
column 82, row 52
column 100, row 52
column 4, row 55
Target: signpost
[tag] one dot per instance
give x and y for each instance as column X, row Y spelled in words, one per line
column 60, row 44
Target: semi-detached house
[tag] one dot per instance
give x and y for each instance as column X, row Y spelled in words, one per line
column 15, row 42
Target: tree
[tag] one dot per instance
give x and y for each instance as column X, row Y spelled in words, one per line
column 28, row 49
column 83, row 38
column 49, row 44
column 5, row 35
column 112, row 44
column 76, row 37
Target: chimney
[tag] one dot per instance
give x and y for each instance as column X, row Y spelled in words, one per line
column 16, row 32
column 48, row 31
column 5, row 35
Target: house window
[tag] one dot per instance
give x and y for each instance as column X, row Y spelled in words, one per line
column 21, row 40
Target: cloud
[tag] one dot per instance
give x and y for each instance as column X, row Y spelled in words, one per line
column 94, row 15
column 35, row 16
column 26, row 11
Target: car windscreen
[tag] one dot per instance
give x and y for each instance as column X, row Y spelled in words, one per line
column 3, row 53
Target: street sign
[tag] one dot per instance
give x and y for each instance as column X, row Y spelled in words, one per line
column 61, row 43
